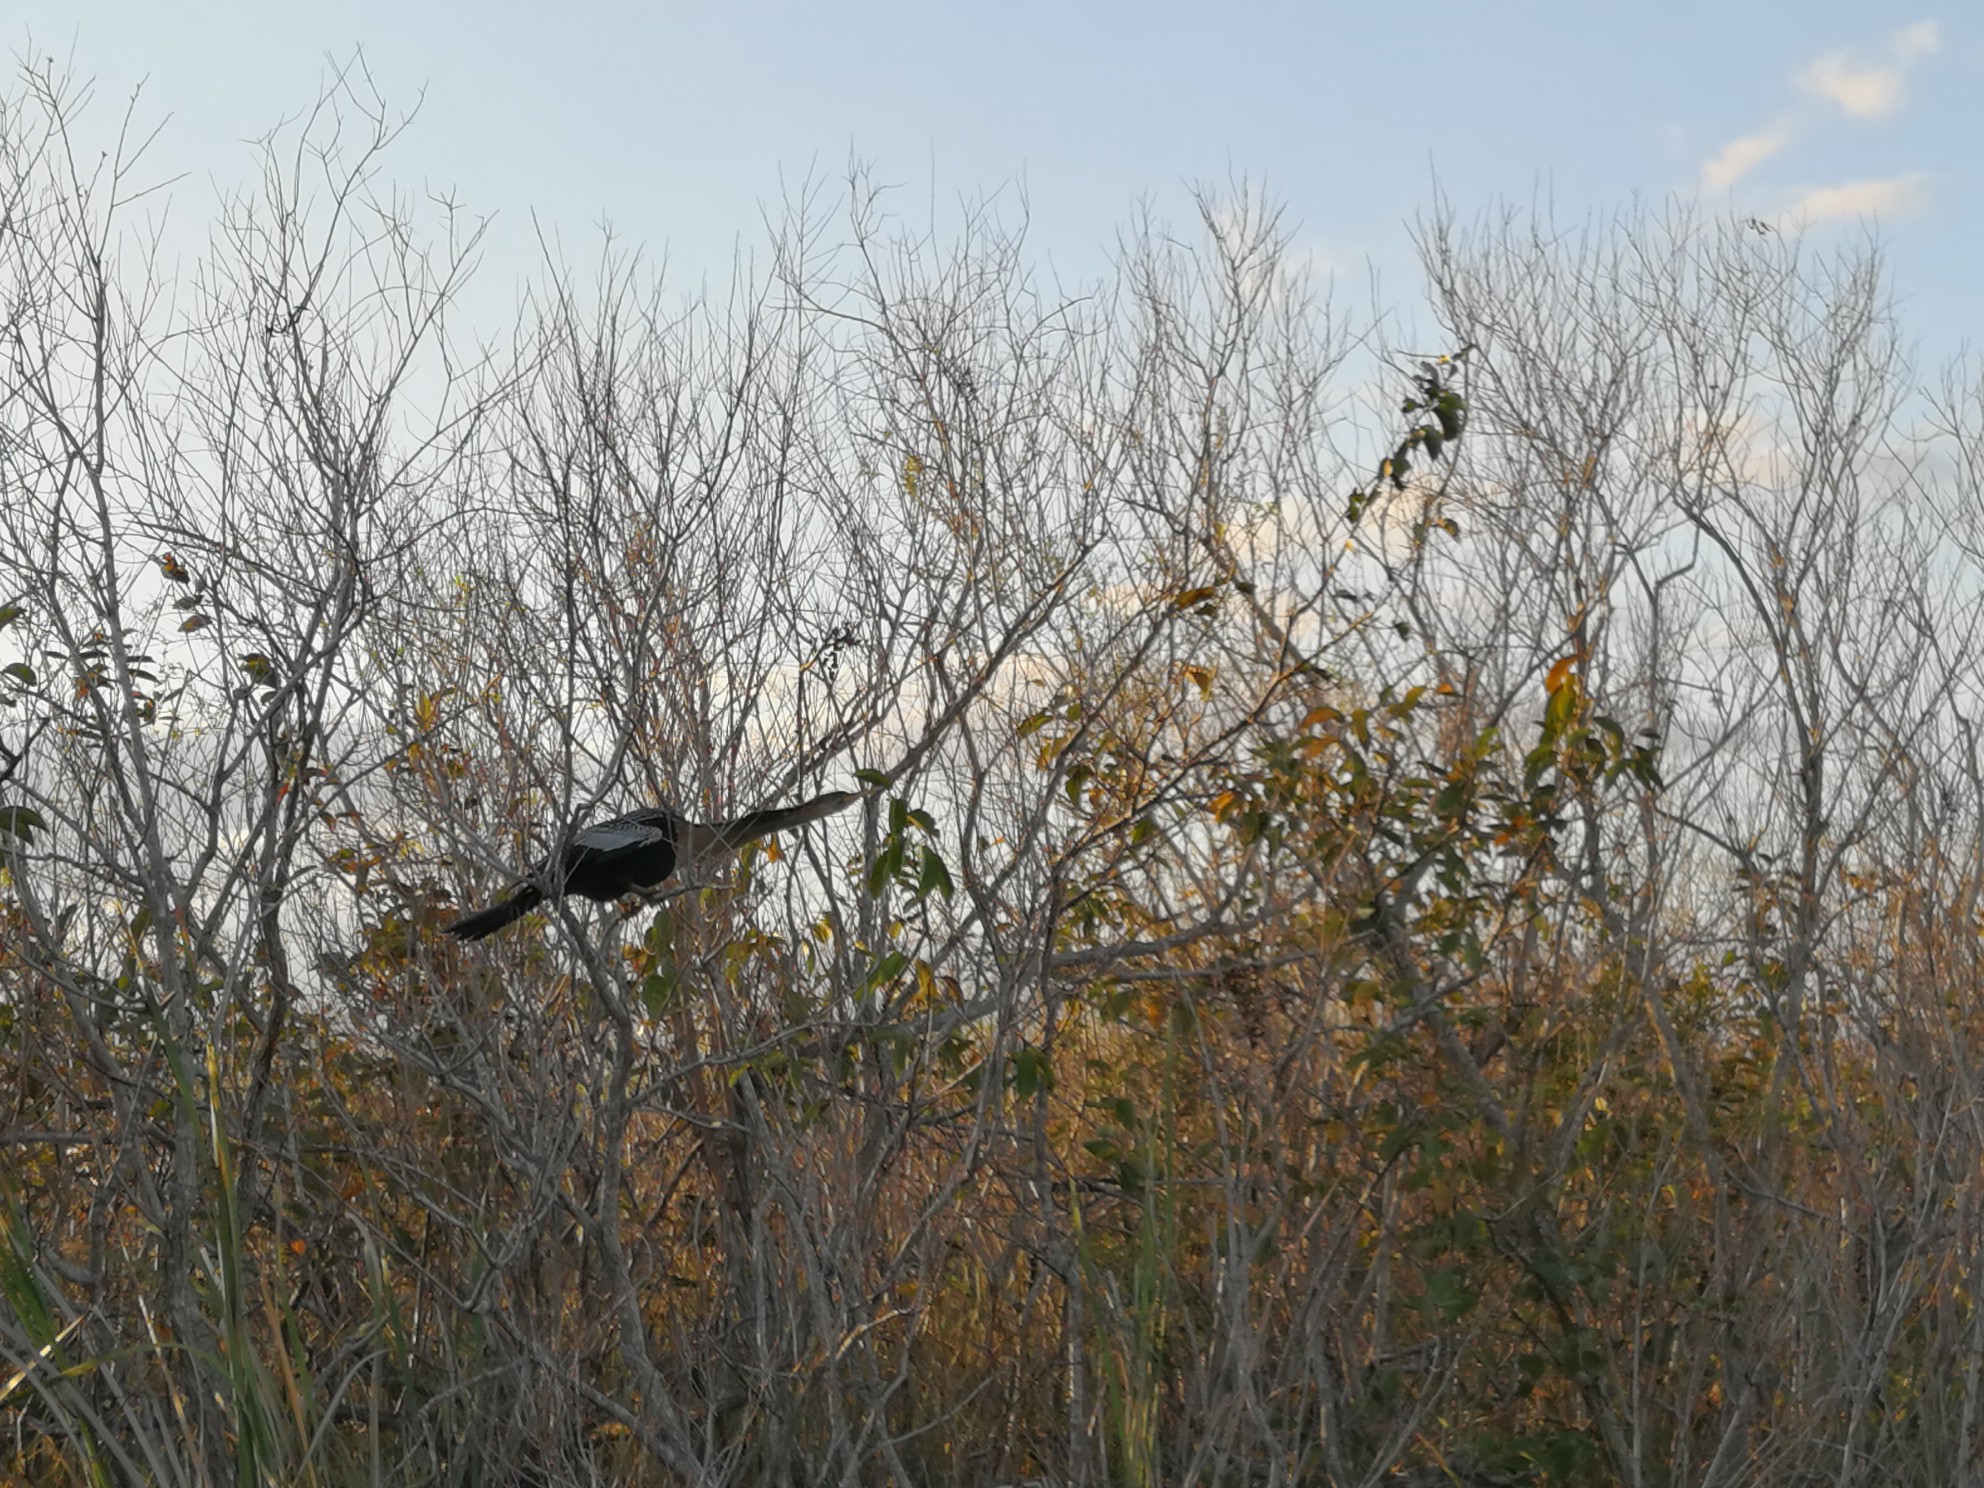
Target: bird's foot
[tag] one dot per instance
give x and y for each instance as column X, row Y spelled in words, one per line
column 632, row 904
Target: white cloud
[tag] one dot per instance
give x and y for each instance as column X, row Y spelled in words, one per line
column 1863, row 92
column 1864, row 84
column 1915, row 41
column 1871, row 89
column 1895, row 197
column 1739, row 157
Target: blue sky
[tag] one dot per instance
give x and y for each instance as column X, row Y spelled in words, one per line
column 682, row 124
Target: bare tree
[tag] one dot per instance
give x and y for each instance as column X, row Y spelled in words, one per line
column 1412, row 916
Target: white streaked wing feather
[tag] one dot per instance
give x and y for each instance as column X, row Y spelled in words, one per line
column 617, row 836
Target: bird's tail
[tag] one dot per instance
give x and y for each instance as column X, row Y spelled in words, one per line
column 489, row 921
column 753, row 824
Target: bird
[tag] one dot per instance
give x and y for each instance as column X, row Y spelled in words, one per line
column 637, row 854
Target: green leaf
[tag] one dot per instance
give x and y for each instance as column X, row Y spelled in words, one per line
column 9, row 614
column 1396, row 1141
column 1449, row 1293
column 936, row 877
column 1078, row 779
column 658, row 991
column 19, row 821
column 21, row 672
column 661, row 934
column 887, row 864
column 1030, row 1072
column 1562, row 709
column 872, row 777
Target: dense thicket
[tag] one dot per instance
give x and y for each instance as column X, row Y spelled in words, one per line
column 1415, row 919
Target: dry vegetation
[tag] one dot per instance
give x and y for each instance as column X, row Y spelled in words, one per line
column 1463, row 978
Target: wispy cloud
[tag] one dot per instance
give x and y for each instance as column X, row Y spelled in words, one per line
column 1918, row 40
column 1864, row 83
column 1740, row 157
column 1871, row 88
column 1896, row 196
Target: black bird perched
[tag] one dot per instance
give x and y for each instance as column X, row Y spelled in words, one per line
column 636, row 854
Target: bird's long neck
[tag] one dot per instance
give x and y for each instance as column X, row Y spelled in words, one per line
column 701, row 837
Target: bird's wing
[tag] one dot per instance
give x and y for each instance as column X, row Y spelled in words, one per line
column 620, row 834
column 629, row 854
